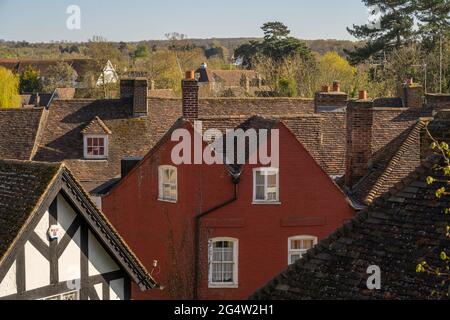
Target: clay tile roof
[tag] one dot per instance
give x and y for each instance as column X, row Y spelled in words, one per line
column 97, row 126
column 19, row 130
column 25, row 181
column 401, row 229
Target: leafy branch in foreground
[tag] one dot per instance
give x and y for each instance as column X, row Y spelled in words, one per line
column 443, row 149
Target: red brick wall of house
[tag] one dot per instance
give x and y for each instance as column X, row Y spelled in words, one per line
column 310, row 205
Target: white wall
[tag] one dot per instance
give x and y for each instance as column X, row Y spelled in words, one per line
column 8, row 285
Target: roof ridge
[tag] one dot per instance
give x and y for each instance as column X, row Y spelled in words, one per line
column 394, row 161
column 98, row 121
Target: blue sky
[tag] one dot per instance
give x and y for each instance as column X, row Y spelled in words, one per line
column 134, row 20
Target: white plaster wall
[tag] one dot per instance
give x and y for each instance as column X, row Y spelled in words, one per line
column 42, row 228
column 8, row 285
column 99, row 260
column 69, row 262
column 116, row 290
column 37, row 268
column 98, row 289
column 66, row 215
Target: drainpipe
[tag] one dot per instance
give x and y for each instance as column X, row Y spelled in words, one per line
column 235, row 179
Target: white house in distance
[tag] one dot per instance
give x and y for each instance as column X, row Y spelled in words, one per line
column 108, row 75
column 55, row 244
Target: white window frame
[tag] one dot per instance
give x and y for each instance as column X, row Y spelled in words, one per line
column 161, row 170
column 77, row 293
column 301, row 252
column 224, row 285
column 85, row 146
column 258, row 201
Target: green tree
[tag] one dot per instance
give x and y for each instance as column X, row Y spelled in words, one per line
column 277, row 45
column 141, row 51
column 61, row 75
column 394, row 29
column 434, row 21
column 30, row 81
column 9, row 89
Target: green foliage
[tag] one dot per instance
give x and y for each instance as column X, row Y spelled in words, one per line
column 30, row 81
column 141, row 51
column 277, row 45
column 396, row 27
column 287, row 88
column 9, row 89
column 61, row 75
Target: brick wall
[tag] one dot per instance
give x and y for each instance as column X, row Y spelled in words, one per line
column 140, row 102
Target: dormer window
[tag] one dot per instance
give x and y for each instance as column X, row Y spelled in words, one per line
column 96, row 140
column 95, row 147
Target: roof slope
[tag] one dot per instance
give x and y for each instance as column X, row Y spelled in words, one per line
column 32, row 182
column 402, row 228
column 18, row 131
column 26, row 181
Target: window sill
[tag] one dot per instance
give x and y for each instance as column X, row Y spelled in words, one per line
column 223, row 286
column 168, row 201
column 275, row 203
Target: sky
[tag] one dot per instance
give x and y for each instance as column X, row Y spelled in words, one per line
column 136, row 20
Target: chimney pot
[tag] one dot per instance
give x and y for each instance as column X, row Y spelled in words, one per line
column 190, row 75
column 325, row 88
column 363, row 95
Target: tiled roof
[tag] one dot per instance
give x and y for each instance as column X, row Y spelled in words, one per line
column 233, row 78
column 25, row 181
column 403, row 228
column 62, row 136
column 395, row 151
column 97, row 126
column 18, row 131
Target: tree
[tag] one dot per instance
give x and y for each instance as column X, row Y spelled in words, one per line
column 141, row 51
column 61, row 75
column 394, row 29
column 30, row 81
column 9, row 89
column 434, row 21
column 277, row 45
column 333, row 67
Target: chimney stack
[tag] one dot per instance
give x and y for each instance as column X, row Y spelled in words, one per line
column 412, row 94
column 330, row 101
column 190, row 88
column 336, row 86
column 136, row 90
column 359, row 140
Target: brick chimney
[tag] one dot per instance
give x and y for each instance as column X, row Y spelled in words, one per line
column 359, row 140
column 137, row 90
column 330, row 101
column 189, row 88
column 412, row 94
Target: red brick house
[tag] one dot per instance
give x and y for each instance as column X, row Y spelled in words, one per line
column 219, row 231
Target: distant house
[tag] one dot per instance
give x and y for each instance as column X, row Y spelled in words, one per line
column 231, row 82
column 55, row 244
column 81, row 66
